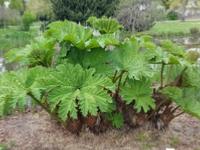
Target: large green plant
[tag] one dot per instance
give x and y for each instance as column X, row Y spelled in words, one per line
column 81, row 75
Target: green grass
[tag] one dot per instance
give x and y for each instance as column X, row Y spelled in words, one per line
column 3, row 147
column 13, row 37
column 173, row 27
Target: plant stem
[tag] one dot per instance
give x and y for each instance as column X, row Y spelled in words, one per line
column 183, row 71
column 179, row 114
column 115, row 75
column 157, row 109
column 120, row 79
column 125, row 80
column 38, row 101
column 175, row 109
column 161, row 75
column 45, row 108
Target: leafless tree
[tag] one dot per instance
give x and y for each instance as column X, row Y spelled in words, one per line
column 137, row 15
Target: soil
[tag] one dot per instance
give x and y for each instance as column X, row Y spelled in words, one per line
column 36, row 131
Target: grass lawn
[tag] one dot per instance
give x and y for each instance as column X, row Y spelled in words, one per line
column 13, row 37
column 173, row 27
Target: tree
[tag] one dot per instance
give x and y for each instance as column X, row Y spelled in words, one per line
column 138, row 15
column 80, row 10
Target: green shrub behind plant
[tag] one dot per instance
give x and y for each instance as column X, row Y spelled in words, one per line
column 172, row 15
column 27, row 19
column 81, row 10
column 194, row 31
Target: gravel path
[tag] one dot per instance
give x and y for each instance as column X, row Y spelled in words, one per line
column 35, row 131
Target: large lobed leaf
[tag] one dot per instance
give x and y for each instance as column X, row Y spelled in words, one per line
column 70, row 32
column 104, row 24
column 187, row 98
column 39, row 52
column 79, row 36
column 71, row 88
column 129, row 57
column 139, row 93
column 14, row 87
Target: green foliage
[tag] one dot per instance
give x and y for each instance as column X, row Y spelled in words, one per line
column 104, row 25
column 72, row 88
column 81, row 10
column 21, row 83
column 194, row 31
column 39, row 52
column 139, row 93
column 173, row 28
column 128, row 57
column 3, row 146
column 187, row 98
column 172, row 15
column 27, row 19
column 75, row 73
column 12, row 38
column 117, row 119
column 69, row 32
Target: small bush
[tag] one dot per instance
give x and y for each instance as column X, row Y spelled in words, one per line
column 194, row 31
column 172, row 15
column 27, row 19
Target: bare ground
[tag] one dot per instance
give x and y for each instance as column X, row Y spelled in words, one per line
column 36, row 131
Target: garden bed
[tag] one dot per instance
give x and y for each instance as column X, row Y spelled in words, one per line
column 36, row 131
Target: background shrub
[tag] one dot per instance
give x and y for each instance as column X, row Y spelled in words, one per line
column 27, row 19
column 81, row 10
column 194, row 31
column 172, row 15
